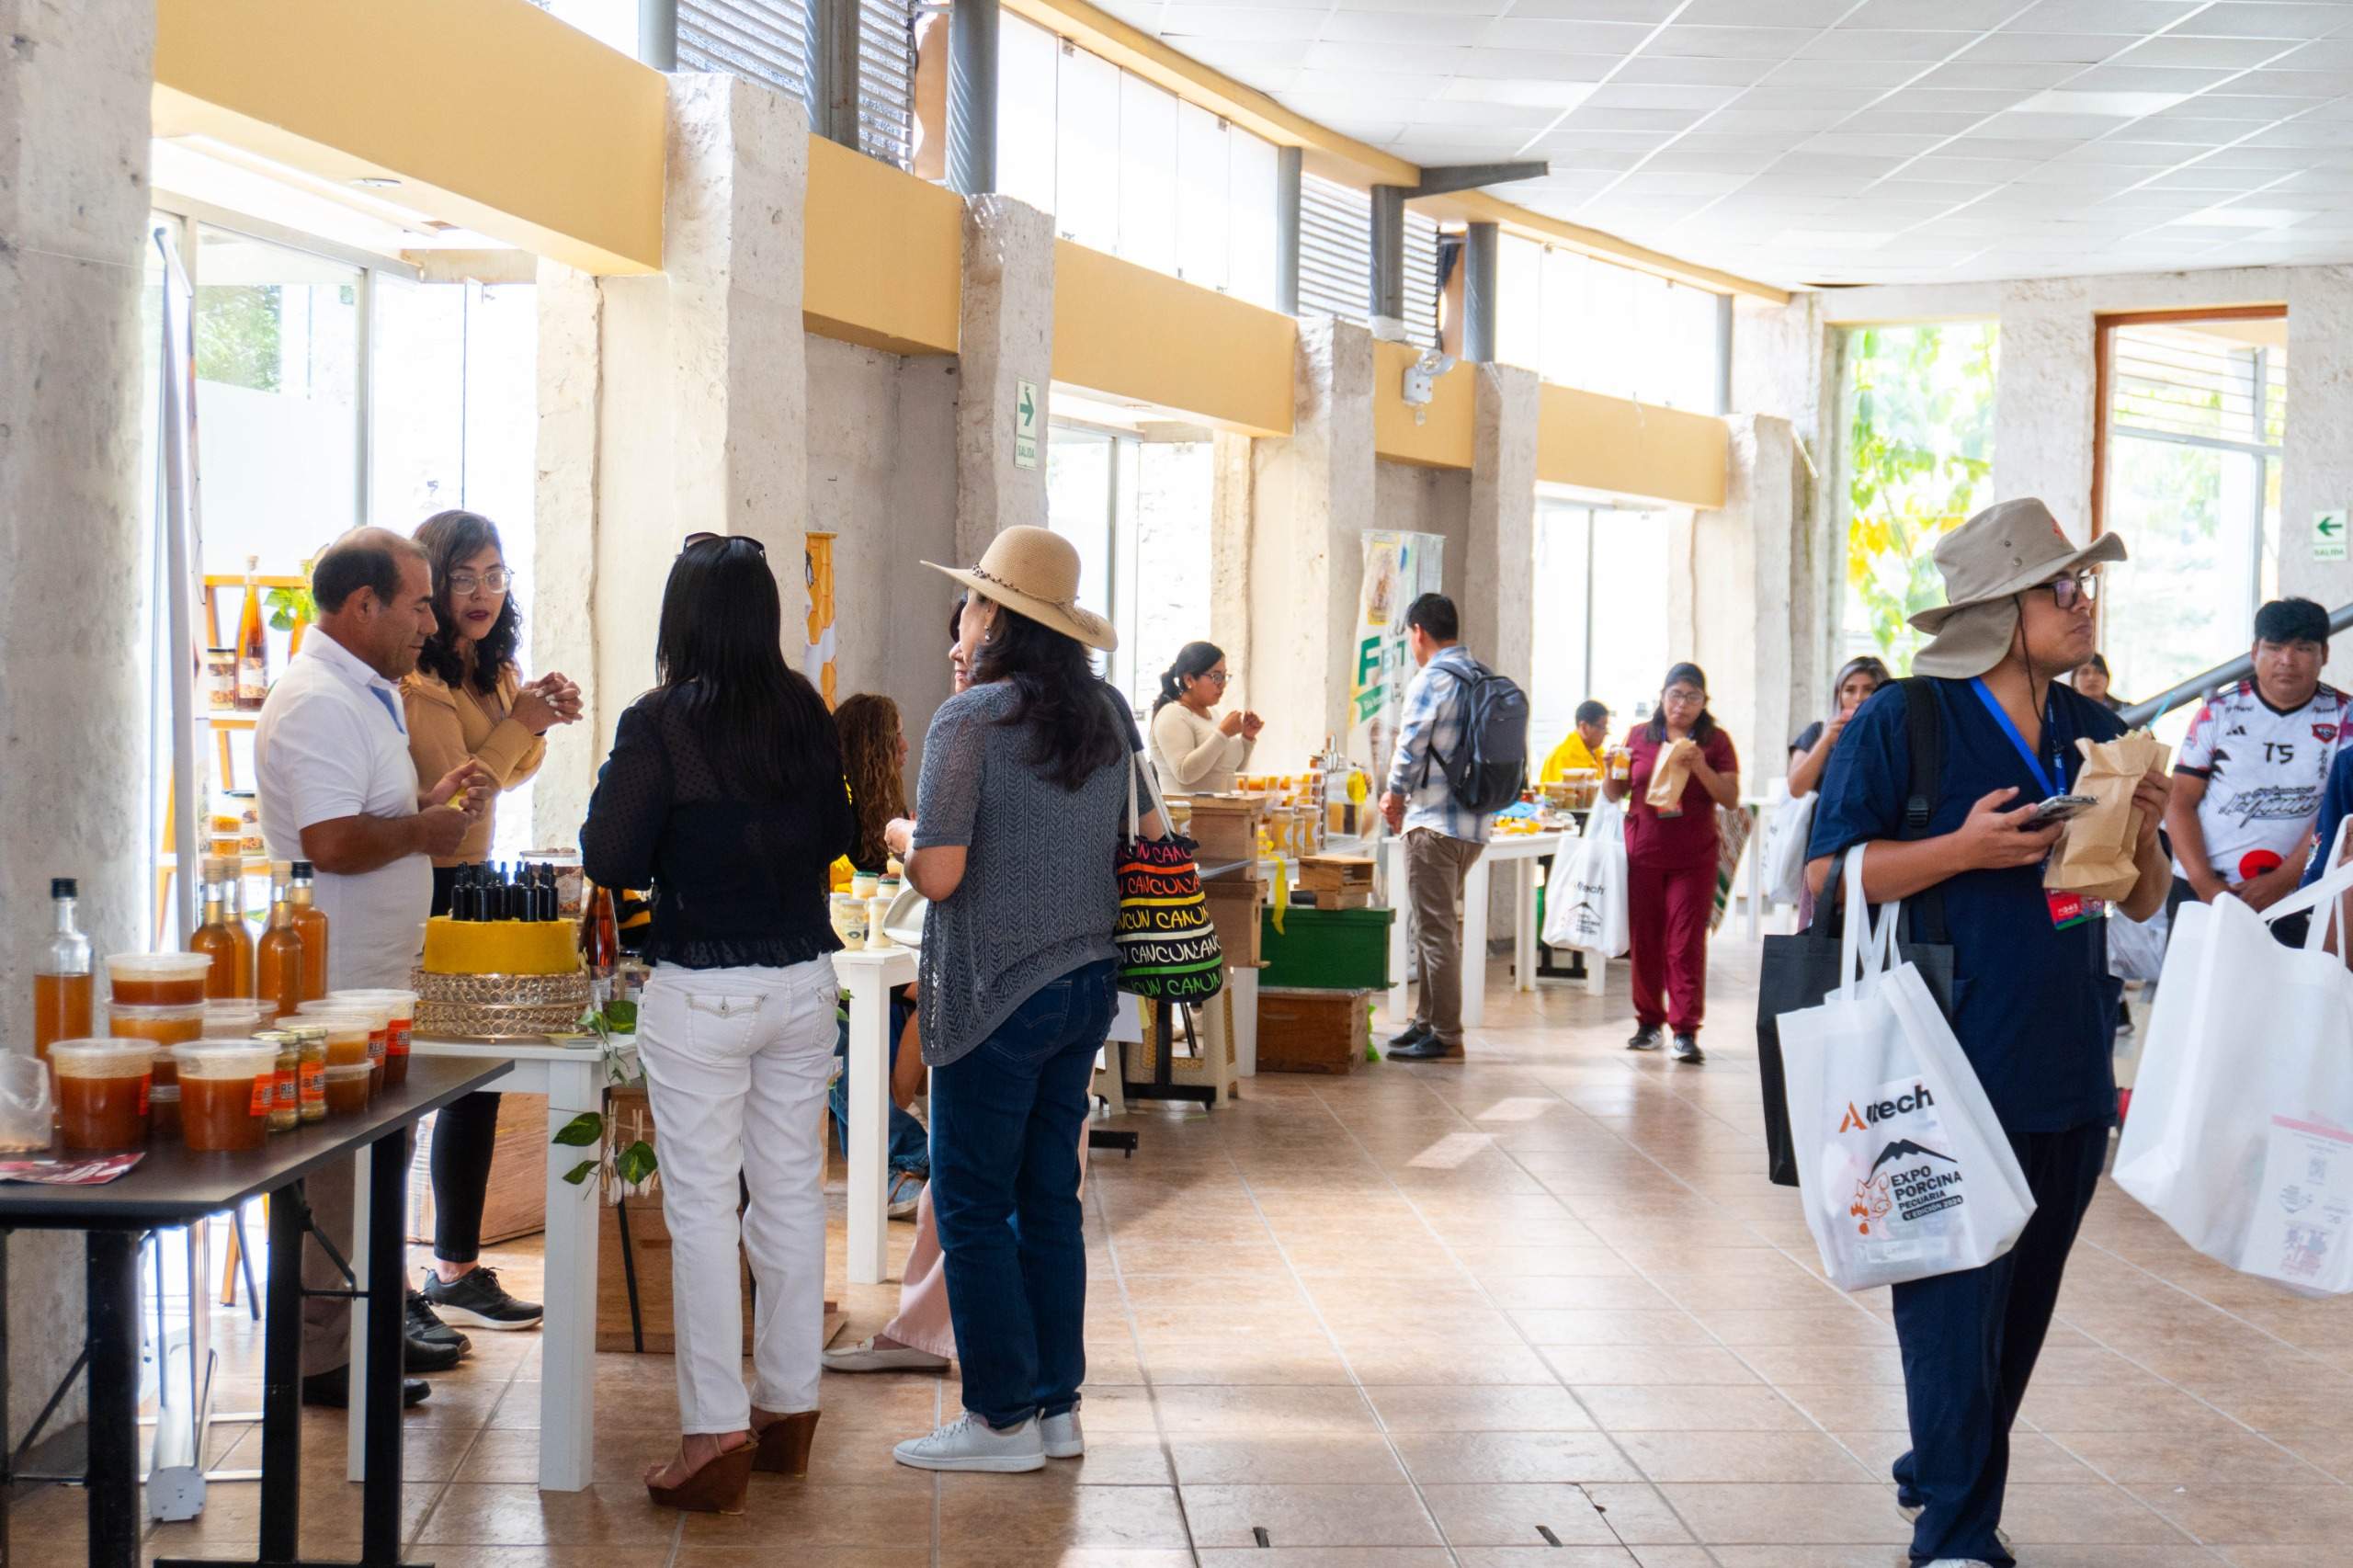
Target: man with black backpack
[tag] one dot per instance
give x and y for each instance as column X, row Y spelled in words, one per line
column 2032, row 1001
column 1461, row 756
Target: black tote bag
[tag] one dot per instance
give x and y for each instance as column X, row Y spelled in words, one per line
column 1801, row 971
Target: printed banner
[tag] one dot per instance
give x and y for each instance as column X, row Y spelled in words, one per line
column 1398, row 569
column 817, row 663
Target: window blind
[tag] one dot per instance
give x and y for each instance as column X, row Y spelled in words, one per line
column 760, row 40
column 1335, row 249
column 2180, row 382
column 886, row 80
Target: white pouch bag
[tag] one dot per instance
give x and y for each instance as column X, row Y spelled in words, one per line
column 1584, row 896
column 1785, row 845
column 1905, row 1172
column 2241, row 1136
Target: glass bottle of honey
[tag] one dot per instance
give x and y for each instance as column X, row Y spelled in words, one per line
column 239, row 927
column 277, row 976
column 62, row 976
column 217, row 937
column 253, row 644
column 311, row 925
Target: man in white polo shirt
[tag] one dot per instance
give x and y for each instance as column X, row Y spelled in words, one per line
column 337, row 789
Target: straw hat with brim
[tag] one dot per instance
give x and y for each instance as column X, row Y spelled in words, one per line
column 1035, row 571
column 1987, row 562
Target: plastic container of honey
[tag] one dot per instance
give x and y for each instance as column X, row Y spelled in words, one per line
column 226, row 1090
column 380, row 1026
column 347, row 1029
column 234, row 1018
column 162, row 1027
column 400, row 1028
column 346, row 1087
column 103, row 1087
column 157, row 979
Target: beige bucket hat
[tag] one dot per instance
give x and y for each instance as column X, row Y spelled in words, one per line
column 1986, row 562
column 1035, row 571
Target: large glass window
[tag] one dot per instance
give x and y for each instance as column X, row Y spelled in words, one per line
column 2195, row 417
column 1916, row 458
column 1581, row 321
column 1600, row 629
column 1138, row 513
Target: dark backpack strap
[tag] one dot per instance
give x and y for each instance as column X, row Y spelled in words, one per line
column 1924, row 724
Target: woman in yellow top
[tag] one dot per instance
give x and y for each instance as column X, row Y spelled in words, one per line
column 1582, row 746
column 467, row 700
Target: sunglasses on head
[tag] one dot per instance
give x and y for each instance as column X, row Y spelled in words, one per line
column 695, row 538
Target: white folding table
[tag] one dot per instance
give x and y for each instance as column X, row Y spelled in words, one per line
column 1523, row 850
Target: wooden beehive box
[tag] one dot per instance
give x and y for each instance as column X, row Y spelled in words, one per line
column 1234, row 903
column 1226, row 827
column 1335, row 882
column 1312, row 1032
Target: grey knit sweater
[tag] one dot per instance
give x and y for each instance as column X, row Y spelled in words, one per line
column 1039, row 897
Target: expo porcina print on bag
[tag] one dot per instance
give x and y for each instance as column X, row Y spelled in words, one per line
column 1584, row 896
column 1904, row 1169
column 2241, row 1136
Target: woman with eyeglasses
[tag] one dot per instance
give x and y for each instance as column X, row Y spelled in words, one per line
column 1671, row 862
column 466, row 699
column 1195, row 754
column 724, row 795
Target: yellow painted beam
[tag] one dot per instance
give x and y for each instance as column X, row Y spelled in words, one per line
column 491, row 113
column 1631, row 448
column 1133, row 332
column 882, row 254
column 1336, row 157
column 1441, row 436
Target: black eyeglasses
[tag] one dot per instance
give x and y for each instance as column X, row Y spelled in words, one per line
column 695, row 538
column 2083, row 587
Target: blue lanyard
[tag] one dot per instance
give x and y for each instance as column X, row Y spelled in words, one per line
column 2033, row 763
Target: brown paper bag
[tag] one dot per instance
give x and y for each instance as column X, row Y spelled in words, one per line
column 2095, row 854
column 1669, row 775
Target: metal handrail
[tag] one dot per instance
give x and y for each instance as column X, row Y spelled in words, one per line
column 2198, row 687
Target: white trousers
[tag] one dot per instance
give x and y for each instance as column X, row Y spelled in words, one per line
column 737, row 1064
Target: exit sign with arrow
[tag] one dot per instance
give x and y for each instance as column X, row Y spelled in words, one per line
column 2328, row 536
column 1024, row 424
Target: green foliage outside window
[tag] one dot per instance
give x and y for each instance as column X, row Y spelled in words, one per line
column 237, row 334
column 1918, row 409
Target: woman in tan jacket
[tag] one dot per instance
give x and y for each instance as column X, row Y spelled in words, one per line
column 467, row 700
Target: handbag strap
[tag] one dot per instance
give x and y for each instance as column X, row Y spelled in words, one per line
column 1866, row 946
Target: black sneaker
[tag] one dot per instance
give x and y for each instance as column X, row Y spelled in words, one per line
column 1686, row 1049
column 1413, row 1034
column 441, row 1344
column 1645, row 1038
column 332, row 1389
column 476, row 1299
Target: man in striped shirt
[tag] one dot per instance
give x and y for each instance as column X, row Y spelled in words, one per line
column 1443, row 840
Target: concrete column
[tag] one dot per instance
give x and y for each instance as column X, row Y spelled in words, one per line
column 1745, row 567
column 1782, row 364
column 1313, row 498
column 1498, row 607
column 1290, row 164
column 1005, row 337
column 1482, row 246
column 675, row 403
column 563, row 565
column 2045, row 400
column 2316, row 468
column 971, row 97
column 74, row 83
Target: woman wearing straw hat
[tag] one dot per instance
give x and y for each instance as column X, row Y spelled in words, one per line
column 1019, row 812
column 2033, row 1006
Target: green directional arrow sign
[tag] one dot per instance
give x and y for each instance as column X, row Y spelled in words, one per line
column 2328, row 536
column 1024, row 424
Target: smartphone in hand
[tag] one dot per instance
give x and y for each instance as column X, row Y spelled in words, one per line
column 2059, row 808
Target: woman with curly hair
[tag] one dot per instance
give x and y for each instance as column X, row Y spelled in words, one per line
column 874, row 750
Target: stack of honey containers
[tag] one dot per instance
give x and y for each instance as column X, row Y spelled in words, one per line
column 223, row 1044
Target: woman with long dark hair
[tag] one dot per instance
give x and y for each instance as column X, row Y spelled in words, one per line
column 1671, row 855
column 1809, row 752
column 1024, row 789
column 724, row 795
column 1195, row 754
column 467, row 700
column 874, row 751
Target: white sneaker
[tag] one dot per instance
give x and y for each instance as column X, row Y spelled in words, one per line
column 864, row 1357
column 968, row 1443
column 1062, row 1435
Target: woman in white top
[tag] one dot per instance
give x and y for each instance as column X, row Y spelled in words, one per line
column 1195, row 754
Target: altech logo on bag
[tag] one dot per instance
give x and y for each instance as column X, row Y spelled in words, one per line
column 1908, row 1179
column 1584, row 915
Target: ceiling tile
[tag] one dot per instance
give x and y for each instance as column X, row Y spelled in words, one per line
column 1598, row 10
column 1520, row 30
column 2232, row 54
column 1773, row 95
column 2331, row 54
column 2115, row 152
column 1391, row 27
column 2301, row 133
column 2290, row 83
column 2073, row 49
column 1792, row 124
column 2242, row 18
column 1870, row 144
column 2128, row 78
column 1681, row 70
column 1938, row 15
column 1731, row 43
column 2233, row 104
column 1662, row 122
column 1842, row 43
column 2103, row 16
column 2020, row 78
column 1234, row 22
column 1621, row 95
column 1521, row 62
column 1909, row 122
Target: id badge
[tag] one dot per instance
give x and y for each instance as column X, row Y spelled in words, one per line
column 2073, row 909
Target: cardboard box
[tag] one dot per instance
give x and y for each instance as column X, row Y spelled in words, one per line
column 1312, row 1032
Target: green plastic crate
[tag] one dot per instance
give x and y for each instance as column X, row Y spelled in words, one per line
column 1327, row 949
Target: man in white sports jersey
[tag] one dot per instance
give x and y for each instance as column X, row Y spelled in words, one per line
column 2248, row 780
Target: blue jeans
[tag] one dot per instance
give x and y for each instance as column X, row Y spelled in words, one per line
column 1969, row 1343
column 910, row 1147
column 1006, row 1119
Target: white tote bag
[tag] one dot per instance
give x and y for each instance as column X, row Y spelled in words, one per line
column 1584, row 897
column 1785, row 845
column 1904, row 1169
column 2241, row 1136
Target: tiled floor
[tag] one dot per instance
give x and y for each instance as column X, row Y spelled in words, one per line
column 1449, row 1315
